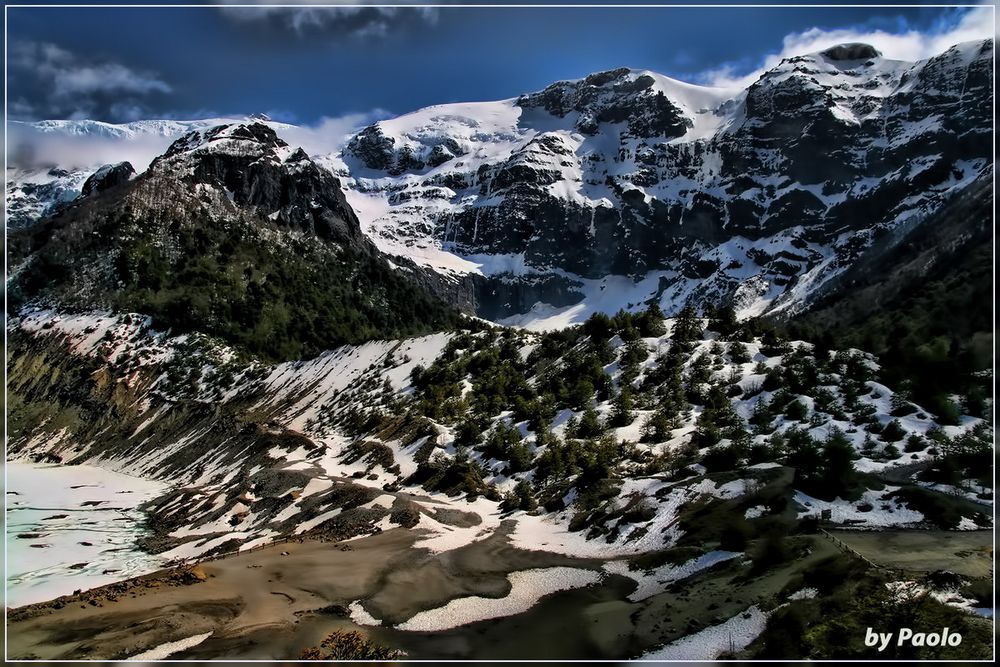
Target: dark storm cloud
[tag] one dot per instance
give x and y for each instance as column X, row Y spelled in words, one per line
column 355, row 20
column 48, row 81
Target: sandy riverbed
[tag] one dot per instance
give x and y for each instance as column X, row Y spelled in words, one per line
column 266, row 605
column 266, row 593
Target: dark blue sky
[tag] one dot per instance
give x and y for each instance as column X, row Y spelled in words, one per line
column 122, row 63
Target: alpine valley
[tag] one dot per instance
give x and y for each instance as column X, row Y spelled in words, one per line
column 623, row 368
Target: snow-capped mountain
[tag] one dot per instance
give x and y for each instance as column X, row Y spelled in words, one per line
column 230, row 231
column 138, row 129
column 50, row 160
column 633, row 183
column 626, row 185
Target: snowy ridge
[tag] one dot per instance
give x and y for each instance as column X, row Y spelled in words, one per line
column 170, row 129
column 703, row 105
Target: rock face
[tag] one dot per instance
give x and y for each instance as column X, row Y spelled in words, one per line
column 108, row 176
column 756, row 197
column 500, row 297
column 258, row 170
column 616, row 96
column 949, row 254
column 375, row 150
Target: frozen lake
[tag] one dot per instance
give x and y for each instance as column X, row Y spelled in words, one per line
column 71, row 527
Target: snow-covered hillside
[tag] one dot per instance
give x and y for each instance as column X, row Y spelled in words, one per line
column 617, row 440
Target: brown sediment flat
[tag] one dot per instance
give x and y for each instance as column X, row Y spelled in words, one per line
column 479, row 568
column 968, row 553
column 264, row 605
column 599, row 622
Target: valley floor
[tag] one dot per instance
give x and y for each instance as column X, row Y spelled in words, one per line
column 461, row 602
column 273, row 602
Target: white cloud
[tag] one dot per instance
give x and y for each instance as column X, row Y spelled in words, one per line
column 78, row 80
column 329, row 134
column 912, row 45
column 32, row 148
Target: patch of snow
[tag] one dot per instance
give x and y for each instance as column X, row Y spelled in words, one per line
column 527, row 588
column 656, row 581
column 361, row 616
column 884, row 513
column 735, row 634
column 804, row 594
column 169, row 648
column 67, row 506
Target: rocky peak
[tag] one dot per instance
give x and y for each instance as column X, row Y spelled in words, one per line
column 373, row 148
column 851, row 51
column 828, row 92
column 616, row 96
column 247, row 140
column 256, row 169
column 108, row 176
column 298, row 155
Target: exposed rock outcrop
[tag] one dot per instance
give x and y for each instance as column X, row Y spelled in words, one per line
column 108, row 176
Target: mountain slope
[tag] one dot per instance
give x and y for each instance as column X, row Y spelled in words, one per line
column 230, row 232
column 920, row 300
column 602, row 441
column 49, row 160
column 754, row 197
